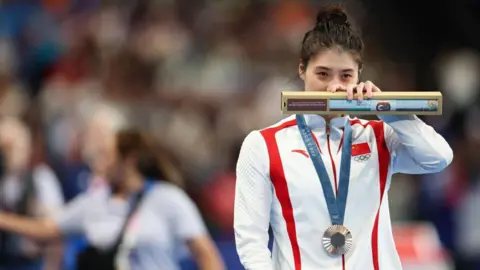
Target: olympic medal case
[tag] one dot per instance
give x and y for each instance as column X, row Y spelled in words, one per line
column 393, row 103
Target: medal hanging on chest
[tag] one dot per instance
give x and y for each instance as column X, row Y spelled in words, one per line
column 337, row 239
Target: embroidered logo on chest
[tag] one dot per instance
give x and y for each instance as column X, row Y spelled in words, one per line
column 302, row 152
column 361, row 152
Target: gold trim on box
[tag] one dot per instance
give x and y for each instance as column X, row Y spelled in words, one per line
column 314, row 102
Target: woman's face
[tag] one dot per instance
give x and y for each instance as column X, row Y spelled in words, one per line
column 15, row 145
column 121, row 170
column 332, row 66
column 115, row 172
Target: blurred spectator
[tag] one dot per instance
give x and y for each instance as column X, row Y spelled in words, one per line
column 101, row 125
column 13, row 98
column 138, row 213
column 26, row 190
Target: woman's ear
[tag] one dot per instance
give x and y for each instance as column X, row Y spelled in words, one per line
column 301, row 71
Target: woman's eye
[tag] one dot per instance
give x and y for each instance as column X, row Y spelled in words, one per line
column 347, row 76
column 322, row 74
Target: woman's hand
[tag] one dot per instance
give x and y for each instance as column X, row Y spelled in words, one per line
column 363, row 89
column 41, row 230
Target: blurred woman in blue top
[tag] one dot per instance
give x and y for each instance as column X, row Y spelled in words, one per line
column 137, row 223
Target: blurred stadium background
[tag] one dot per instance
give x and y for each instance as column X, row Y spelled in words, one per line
column 201, row 74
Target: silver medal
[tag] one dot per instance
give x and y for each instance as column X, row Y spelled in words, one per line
column 337, row 240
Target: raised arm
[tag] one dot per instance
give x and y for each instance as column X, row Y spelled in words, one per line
column 416, row 147
column 69, row 220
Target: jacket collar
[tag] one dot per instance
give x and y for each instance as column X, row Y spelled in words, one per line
column 317, row 122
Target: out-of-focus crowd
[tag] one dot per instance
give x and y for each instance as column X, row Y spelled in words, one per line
column 200, row 75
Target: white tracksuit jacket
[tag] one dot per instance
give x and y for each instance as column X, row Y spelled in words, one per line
column 277, row 185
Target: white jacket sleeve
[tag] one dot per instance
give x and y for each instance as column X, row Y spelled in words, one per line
column 253, row 198
column 415, row 147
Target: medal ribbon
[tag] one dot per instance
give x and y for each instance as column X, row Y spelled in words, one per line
column 336, row 206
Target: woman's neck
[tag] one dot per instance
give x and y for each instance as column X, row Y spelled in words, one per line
column 330, row 117
column 132, row 185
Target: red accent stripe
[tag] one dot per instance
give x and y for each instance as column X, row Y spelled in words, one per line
column 316, row 142
column 357, row 121
column 277, row 176
column 383, row 164
column 340, row 145
column 333, row 164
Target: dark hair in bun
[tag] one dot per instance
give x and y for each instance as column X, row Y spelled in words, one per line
column 332, row 29
column 332, row 14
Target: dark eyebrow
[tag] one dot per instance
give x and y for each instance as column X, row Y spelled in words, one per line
column 323, row 68
column 329, row 69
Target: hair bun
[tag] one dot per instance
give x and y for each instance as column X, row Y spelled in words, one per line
column 332, row 13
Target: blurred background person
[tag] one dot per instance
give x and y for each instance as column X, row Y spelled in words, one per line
column 28, row 189
column 93, row 146
column 136, row 223
column 101, row 125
